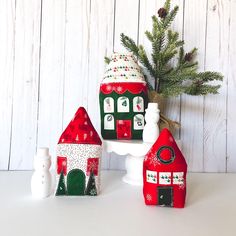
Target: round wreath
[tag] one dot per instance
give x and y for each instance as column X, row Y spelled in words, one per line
column 172, row 155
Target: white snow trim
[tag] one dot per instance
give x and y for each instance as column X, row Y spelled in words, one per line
column 123, row 68
column 122, row 79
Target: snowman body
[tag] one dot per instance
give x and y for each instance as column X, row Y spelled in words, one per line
column 151, row 129
column 41, row 181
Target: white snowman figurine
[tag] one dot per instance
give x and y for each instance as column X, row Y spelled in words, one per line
column 41, row 180
column 151, row 129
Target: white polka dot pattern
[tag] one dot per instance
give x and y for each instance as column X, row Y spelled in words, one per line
column 77, row 155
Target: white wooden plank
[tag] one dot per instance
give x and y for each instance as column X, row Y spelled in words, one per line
column 7, row 26
column 77, row 39
column 51, row 74
column 100, row 44
column 26, row 74
column 231, row 112
column 147, row 10
column 126, row 21
column 192, row 106
column 215, row 106
column 88, row 36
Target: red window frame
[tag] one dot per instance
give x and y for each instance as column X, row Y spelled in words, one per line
column 92, row 164
column 61, row 165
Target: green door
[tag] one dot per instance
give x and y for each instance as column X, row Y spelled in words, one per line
column 76, row 182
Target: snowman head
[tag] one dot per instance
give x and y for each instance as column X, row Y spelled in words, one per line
column 42, row 163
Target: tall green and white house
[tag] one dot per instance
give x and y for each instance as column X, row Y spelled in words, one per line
column 123, row 98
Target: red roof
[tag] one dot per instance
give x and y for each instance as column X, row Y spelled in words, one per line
column 80, row 130
column 165, row 155
column 122, row 87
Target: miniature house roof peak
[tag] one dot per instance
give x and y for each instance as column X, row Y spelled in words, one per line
column 123, row 67
column 166, row 150
column 80, row 130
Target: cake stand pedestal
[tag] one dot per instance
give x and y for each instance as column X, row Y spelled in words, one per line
column 135, row 150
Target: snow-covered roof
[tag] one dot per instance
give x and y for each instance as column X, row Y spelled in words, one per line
column 123, row 68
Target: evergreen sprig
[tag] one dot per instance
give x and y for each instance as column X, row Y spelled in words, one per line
column 171, row 79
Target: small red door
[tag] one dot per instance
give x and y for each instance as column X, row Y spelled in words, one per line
column 123, row 129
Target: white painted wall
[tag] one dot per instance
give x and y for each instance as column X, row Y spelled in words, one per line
column 51, row 62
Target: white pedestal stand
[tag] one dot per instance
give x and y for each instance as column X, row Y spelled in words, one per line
column 135, row 151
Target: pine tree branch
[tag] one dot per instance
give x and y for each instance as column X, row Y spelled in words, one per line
column 156, row 24
column 107, row 60
column 202, row 90
column 149, row 36
column 170, row 17
column 129, row 44
column 142, row 55
column 171, row 79
column 209, row 76
column 167, row 6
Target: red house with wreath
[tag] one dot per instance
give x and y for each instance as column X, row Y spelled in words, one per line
column 164, row 173
column 78, row 158
column 123, row 98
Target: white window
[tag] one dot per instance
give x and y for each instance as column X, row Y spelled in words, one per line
column 151, row 176
column 123, row 104
column 138, row 104
column 108, row 105
column 109, row 122
column 165, row 178
column 138, row 122
column 178, row 178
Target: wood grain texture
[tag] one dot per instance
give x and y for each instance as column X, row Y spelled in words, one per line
column 77, row 42
column 127, row 22
column 50, row 114
column 231, row 94
column 51, row 62
column 215, row 106
column 7, row 45
column 26, row 78
column 100, row 44
column 191, row 106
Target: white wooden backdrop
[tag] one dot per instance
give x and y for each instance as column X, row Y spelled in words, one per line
column 51, row 62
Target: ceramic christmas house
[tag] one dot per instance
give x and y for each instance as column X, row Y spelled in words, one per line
column 78, row 158
column 164, row 173
column 123, row 99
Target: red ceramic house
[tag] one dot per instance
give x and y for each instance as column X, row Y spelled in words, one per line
column 164, row 173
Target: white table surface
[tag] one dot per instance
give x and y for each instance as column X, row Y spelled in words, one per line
column 119, row 210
